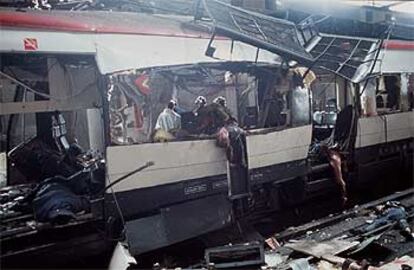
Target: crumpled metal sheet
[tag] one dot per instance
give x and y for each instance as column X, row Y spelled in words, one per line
column 349, row 57
column 319, row 249
column 278, row 36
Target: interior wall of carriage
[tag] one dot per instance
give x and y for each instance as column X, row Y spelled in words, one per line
column 257, row 96
column 330, row 94
column 48, row 103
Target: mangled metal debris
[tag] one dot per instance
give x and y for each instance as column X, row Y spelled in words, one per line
column 64, row 195
column 331, row 245
column 65, row 176
column 279, row 36
column 350, row 57
column 320, row 249
column 337, row 240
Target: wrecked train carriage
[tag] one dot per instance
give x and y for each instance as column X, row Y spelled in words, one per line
column 281, row 173
column 55, row 62
column 50, row 115
column 191, row 181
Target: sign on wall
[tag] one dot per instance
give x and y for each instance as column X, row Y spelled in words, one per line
column 30, row 44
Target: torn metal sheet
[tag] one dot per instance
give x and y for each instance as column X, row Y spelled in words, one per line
column 366, row 243
column 275, row 35
column 349, row 57
column 319, row 249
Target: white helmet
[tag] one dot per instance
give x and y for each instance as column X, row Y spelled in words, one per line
column 200, row 100
column 220, row 100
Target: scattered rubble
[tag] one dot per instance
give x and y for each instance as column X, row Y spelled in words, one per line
column 342, row 241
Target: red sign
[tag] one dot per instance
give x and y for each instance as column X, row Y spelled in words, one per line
column 30, row 44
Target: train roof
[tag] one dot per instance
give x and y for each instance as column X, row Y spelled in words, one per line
column 130, row 40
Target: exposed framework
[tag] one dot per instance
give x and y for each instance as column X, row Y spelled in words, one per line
column 349, row 57
column 279, row 36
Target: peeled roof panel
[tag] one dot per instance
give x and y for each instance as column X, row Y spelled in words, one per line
column 348, row 57
column 275, row 35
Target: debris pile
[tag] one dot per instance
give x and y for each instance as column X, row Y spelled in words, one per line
column 376, row 235
column 57, row 183
column 369, row 236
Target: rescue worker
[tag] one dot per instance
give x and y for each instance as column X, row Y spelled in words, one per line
column 168, row 122
column 220, row 101
column 233, row 138
column 200, row 103
column 229, row 135
column 178, row 109
column 214, row 116
column 222, row 115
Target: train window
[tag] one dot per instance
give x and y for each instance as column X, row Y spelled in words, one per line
column 388, row 94
column 392, row 90
column 325, row 97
